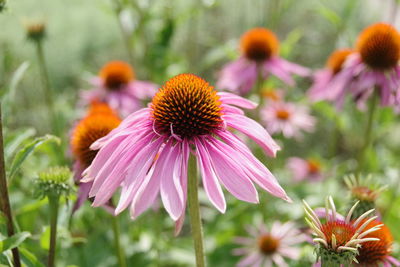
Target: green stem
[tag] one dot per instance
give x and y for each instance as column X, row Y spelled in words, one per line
column 4, row 198
column 194, row 213
column 118, row 249
column 368, row 130
column 124, row 34
column 48, row 95
column 53, row 204
column 258, row 88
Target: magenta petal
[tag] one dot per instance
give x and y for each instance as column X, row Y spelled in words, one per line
column 232, row 176
column 171, row 187
column 232, row 99
column 210, row 180
column 253, row 130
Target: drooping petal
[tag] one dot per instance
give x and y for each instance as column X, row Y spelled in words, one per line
column 232, row 99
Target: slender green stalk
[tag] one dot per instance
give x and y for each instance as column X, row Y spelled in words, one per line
column 124, row 34
column 4, row 198
column 117, row 243
column 48, row 94
column 368, row 130
column 258, row 89
column 194, row 213
column 53, row 204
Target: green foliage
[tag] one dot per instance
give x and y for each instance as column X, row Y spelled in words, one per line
column 13, row 241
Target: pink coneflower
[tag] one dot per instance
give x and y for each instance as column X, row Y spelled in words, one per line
column 117, row 86
column 305, row 169
column 373, row 66
column 287, row 118
column 99, row 121
column 266, row 248
column 259, row 55
column 324, row 78
column 148, row 153
column 339, row 239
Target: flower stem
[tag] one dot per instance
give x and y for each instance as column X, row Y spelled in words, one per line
column 4, row 198
column 53, row 204
column 118, row 249
column 368, row 130
column 194, row 213
column 48, row 95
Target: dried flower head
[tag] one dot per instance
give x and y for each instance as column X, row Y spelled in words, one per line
column 35, row 30
column 54, row 182
column 339, row 240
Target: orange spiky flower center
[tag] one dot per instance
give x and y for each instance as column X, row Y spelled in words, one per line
column 343, row 232
column 116, row 74
column 379, row 46
column 98, row 123
column 314, row 166
column 282, row 114
column 372, row 253
column 337, row 58
column 268, row 244
column 259, row 44
column 187, row 106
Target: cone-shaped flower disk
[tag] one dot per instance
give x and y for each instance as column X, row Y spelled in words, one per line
column 117, row 86
column 375, row 65
column 339, row 240
column 267, row 247
column 259, row 48
column 376, row 253
column 100, row 120
column 148, row 153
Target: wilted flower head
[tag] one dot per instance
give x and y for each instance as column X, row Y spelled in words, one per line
column 265, row 248
column 147, row 154
column 35, row 30
column 375, row 253
column 324, row 78
column 117, row 85
column 259, row 55
column 54, row 182
column 339, row 240
column 287, row 118
column 366, row 191
column 305, row 169
column 100, row 120
column 373, row 68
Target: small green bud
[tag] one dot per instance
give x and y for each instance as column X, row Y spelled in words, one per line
column 54, row 182
column 35, row 30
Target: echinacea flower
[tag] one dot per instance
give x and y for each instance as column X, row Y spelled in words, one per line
column 365, row 190
column 373, row 69
column 339, row 239
column 377, row 253
column 266, row 248
column 287, row 118
column 324, row 78
column 147, row 154
column 99, row 121
column 117, row 86
column 259, row 56
column 305, row 169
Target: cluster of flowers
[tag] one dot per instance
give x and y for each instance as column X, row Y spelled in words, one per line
column 145, row 149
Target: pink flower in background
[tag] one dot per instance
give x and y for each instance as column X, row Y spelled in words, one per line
column 99, row 121
column 305, row 169
column 287, row 118
column 267, row 248
column 259, row 48
column 148, row 153
column 325, row 79
column 117, row 86
column 375, row 65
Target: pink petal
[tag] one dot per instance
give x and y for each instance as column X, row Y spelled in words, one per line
column 232, row 99
column 253, row 130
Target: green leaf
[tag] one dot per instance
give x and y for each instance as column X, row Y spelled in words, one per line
column 29, row 259
column 13, row 241
column 17, row 140
column 329, row 15
column 29, row 149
